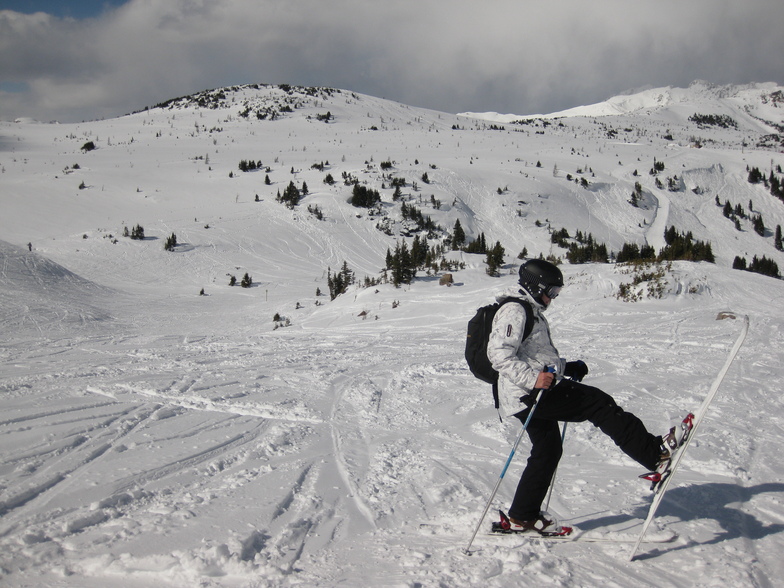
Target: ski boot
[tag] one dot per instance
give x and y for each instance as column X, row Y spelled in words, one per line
column 545, row 525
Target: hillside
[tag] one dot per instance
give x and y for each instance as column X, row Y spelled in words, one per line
column 155, row 435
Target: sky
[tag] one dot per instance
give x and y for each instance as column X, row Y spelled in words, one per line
column 90, row 59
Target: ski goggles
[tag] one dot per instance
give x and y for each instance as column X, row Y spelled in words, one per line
column 552, row 292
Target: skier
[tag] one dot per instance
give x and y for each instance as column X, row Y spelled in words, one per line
column 522, row 366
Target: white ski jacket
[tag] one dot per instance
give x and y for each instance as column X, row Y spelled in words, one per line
column 520, row 362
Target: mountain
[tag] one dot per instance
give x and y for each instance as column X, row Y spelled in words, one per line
column 758, row 106
column 163, row 427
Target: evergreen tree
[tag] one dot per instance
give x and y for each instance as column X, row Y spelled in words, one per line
column 418, row 252
column 759, row 226
column 364, row 197
column 247, row 281
column 290, row 197
column 338, row 283
column 495, row 259
column 346, row 274
column 403, row 269
column 764, row 266
column 755, row 176
column 335, row 285
column 137, row 233
column 171, row 242
column 777, row 242
column 478, row 245
column 739, row 263
column 458, row 236
column 684, row 247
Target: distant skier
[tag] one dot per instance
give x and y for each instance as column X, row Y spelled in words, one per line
column 521, row 363
column 30, row 246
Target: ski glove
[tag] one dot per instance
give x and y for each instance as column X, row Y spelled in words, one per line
column 576, row 370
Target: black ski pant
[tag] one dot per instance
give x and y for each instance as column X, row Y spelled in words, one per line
column 573, row 402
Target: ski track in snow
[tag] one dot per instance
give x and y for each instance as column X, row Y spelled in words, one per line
column 354, row 470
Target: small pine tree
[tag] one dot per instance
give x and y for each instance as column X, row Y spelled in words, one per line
column 171, row 242
column 777, row 242
column 495, row 259
column 247, row 281
column 137, row 233
column 759, row 226
column 739, row 263
column 458, row 236
column 764, row 266
column 755, row 176
column 339, row 282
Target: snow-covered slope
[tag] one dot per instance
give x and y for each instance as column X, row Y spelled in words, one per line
column 153, row 436
column 749, row 102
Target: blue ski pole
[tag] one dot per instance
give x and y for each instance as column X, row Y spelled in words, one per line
column 539, row 394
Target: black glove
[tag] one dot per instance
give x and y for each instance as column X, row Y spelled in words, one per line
column 576, row 370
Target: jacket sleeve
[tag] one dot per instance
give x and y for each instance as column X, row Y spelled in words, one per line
column 504, row 344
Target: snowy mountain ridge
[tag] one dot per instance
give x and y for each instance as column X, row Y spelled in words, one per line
column 762, row 100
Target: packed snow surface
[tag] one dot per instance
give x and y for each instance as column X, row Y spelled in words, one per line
column 153, row 436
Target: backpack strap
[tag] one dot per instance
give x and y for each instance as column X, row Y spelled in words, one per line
column 529, row 326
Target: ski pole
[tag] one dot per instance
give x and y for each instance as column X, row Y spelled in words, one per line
column 539, row 394
column 552, row 482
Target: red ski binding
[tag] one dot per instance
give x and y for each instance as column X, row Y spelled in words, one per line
column 674, row 444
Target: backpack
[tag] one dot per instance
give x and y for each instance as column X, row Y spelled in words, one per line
column 478, row 334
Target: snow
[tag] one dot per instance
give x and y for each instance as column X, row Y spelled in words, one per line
column 153, row 436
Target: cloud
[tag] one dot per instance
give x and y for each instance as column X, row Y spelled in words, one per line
column 503, row 55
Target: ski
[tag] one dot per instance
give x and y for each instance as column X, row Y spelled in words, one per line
column 580, row 536
column 660, row 485
column 563, row 533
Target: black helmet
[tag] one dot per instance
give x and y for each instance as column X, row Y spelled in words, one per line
column 539, row 277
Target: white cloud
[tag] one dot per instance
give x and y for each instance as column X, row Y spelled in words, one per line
column 503, row 55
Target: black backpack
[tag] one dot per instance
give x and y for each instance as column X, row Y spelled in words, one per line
column 479, row 328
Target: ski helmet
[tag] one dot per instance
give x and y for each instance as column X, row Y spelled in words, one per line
column 539, row 277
